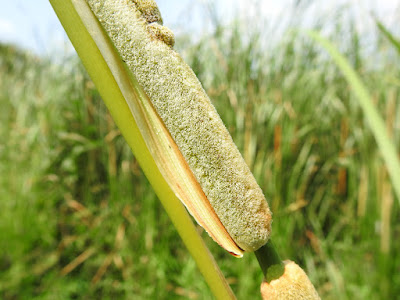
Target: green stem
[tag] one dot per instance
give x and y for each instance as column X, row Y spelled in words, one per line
column 270, row 262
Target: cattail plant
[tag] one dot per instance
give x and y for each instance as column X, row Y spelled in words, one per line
column 178, row 138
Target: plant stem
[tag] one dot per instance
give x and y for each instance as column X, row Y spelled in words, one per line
column 270, row 262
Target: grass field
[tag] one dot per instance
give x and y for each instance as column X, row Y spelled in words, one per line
column 78, row 220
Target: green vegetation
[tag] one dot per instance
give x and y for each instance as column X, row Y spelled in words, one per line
column 78, row 219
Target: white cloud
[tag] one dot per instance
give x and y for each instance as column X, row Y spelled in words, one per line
column 8, row 30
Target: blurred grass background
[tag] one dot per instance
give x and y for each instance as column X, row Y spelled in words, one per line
column 78, row 220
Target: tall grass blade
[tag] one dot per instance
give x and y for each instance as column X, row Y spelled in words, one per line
column 375, row 121
column 395, row 42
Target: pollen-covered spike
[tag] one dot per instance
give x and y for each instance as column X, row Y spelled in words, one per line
column 162, row 33
column 149, row 10
column 292, row 285
column 194, row 125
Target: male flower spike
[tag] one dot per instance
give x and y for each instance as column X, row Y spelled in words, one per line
column 145, row 45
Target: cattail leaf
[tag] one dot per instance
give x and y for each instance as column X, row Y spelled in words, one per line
column 375, row 121
column 392, row 39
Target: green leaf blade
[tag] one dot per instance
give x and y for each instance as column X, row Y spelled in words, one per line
column 377, row 125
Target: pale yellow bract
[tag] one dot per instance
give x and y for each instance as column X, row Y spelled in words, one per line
column 136, row 30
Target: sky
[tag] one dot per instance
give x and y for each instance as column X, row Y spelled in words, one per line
column 32, row 24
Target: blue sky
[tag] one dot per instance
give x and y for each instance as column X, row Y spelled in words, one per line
column 32, row 24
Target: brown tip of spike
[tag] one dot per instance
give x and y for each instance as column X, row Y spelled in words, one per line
column 292, row 285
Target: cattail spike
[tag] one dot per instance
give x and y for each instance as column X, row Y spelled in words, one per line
column 192, row 121
column 292, row 285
